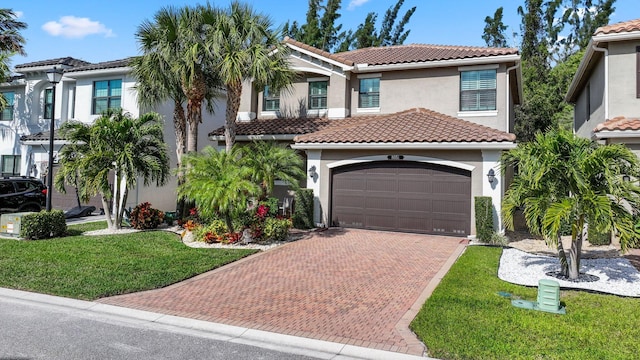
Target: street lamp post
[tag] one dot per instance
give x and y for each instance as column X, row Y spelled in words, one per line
column 54, row 75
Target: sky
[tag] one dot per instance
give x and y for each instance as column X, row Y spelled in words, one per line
column 98, row 31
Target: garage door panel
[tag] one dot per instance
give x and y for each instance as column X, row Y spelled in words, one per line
column 402, row 196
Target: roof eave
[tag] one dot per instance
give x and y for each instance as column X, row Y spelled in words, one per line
column 343, row 66
column 482, row 145
column 94, row 72
column 266, row 137
column 610, row 134
column 365, row 68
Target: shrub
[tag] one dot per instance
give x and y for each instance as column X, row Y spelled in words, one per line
column 303, row 212
column 212, row 233
column 599, row 238
column 498, row 239
column 143, row 216
column 43, row 225
column 484, row 218
column 276, row 229
column 271, row 205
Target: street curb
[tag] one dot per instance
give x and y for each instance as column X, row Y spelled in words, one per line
column 234, row 334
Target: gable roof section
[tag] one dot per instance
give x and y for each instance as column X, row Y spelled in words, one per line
column 416, row 53
column 618, row 127
column 412, row 56
column 417, row 125
column 102, row 65
column 278, row 126
column 621, row 27
column 627, row 30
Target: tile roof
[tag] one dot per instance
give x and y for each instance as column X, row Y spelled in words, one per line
column 621, row 27
column 419, row 53
column 280, row 126
column 413, row 125
column 102, row 65
column 41, row 136
column 618, row 123
column 317, row 51
column 69, row 61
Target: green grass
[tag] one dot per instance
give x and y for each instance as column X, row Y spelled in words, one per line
column 466, row 319
column 91, row 267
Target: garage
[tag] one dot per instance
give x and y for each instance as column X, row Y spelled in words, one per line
column 402, row 196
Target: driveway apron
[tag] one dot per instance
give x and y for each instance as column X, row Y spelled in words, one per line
column 355, row 287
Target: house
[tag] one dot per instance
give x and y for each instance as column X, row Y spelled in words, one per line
column 605, row 91
column 85, row 91
column 395, row 138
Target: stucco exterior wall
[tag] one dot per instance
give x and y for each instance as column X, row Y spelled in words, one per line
column 584, row 122
column 468, row 157
column 622, row 79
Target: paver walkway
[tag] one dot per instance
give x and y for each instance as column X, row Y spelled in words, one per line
column 342, row 285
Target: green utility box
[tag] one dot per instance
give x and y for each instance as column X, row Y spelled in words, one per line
column 10, row 224
column 548, row 295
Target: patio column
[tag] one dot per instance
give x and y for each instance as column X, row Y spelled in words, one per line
column 495, row 189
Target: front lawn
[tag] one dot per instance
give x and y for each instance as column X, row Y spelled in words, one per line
column 91, row 267
column 465, row 318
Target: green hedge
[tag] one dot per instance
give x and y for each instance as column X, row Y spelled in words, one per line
column 303, row 209
column 484, row 218
column 43, row 225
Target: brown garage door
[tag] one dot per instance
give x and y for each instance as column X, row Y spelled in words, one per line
column 402, row 196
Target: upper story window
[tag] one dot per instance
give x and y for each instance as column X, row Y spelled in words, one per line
column 7, row 112
column 271, row 99
column 478, row 90
column 106, row 95
column 318, row 95
column 48, row 103
column 10, row 165
column 369, row 96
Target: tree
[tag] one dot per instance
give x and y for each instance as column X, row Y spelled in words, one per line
column 320, row 30
column 244, row 48
column 269, row 161
column 217, row 183
column 565, row 179
column 391, row 33
column 494, row 30
column 175, row 57
column 11, row 42
column 115, row 143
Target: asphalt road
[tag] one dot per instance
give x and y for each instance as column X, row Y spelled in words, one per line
column 33, row 331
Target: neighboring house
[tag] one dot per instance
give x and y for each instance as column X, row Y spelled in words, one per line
column 605, row 91
column 395, row 138
column 85, row 91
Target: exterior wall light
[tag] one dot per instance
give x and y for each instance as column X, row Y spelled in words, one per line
column 312, row 172
column 491, row 175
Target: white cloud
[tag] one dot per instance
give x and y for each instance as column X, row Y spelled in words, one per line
column 355, row 3
column 19, row 14
column 75, row 27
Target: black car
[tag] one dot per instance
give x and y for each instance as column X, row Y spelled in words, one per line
column 21, row 193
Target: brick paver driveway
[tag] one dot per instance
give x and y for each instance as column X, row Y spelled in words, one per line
column 349, row 286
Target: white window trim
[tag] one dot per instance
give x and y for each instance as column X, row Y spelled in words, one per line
column 479, row 113
column 368, row 110
column 478, row 67
column 370, row 76
column 314, row 79
column 270, row 113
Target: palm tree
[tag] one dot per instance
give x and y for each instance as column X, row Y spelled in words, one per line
column 11, row 42
column 115, row 143
column 217, row 183
column 175, row 66
column 564, row 179
column 269, row 161
column 245, row 49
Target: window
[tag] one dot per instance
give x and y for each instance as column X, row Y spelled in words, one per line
column 10, row 165
column 369, row 93
column 638, row 72
column 478, row 90
column 318, row 95
column 7, row 112
column 48, row 103
column 271, row 101
column 106, row 95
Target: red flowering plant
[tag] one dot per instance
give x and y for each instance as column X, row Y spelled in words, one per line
column 191, row 221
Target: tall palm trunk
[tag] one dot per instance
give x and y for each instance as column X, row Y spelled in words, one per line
column 576, row 249
column 195, row 93
column 234, row 92
column 180, row 127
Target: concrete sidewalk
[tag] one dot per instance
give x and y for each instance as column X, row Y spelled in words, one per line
column 233, row 334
